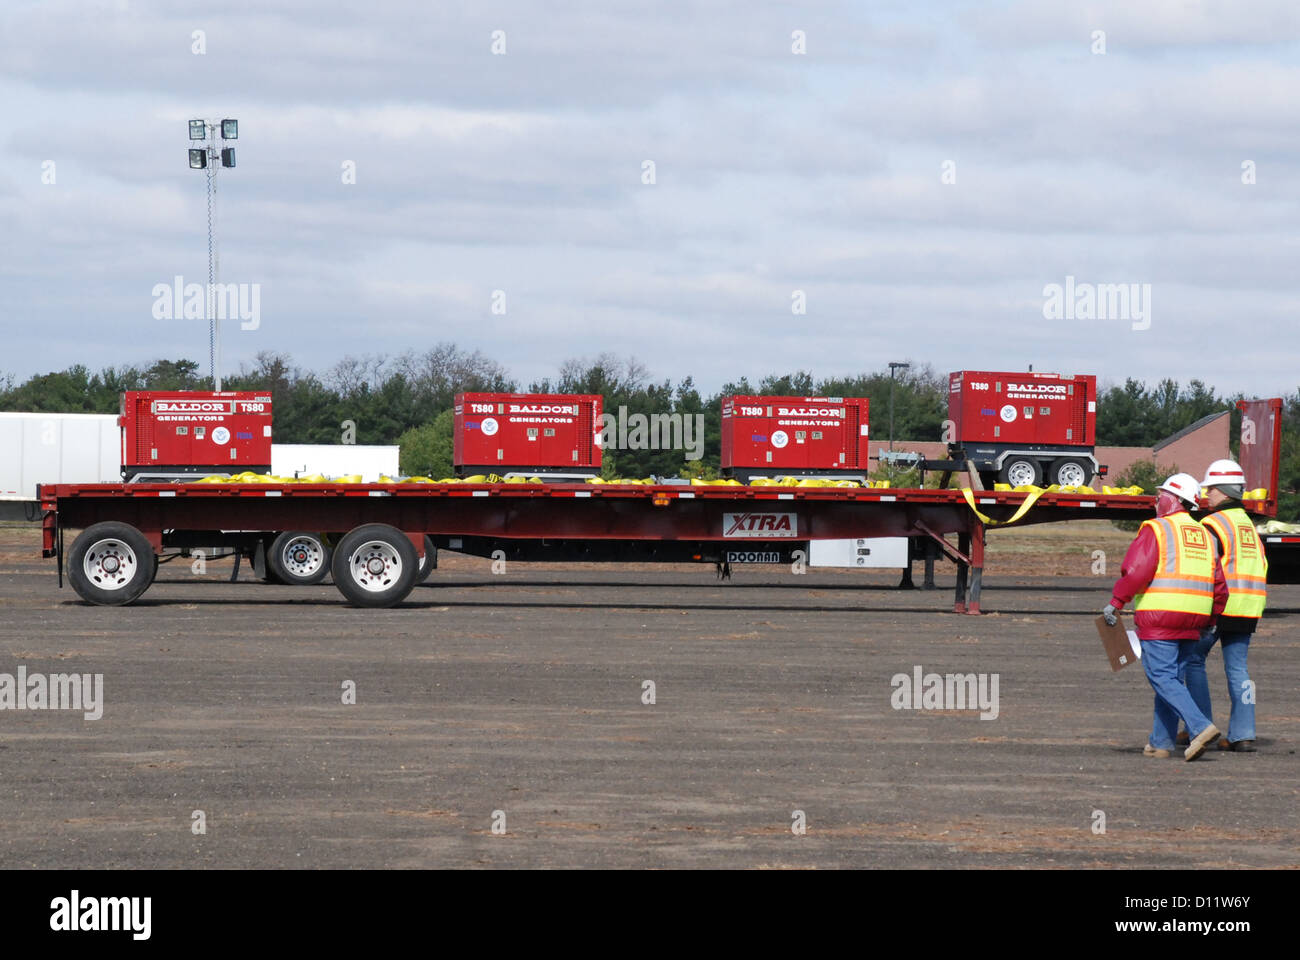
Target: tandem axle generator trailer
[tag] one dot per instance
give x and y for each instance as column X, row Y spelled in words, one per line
column 1024, row 428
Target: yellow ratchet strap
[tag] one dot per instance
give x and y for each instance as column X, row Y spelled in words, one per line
column 1030, row 500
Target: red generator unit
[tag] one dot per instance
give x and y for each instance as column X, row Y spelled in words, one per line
column 181, row 434
column 795, row 436
column 1022, row 428
column 554, row 435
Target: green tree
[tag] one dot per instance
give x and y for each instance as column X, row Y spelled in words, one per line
column 1288, row 476
column 1144, row 474
column 427, row 449
column 1136, row 415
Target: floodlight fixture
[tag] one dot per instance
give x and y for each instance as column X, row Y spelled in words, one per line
column 198, row 130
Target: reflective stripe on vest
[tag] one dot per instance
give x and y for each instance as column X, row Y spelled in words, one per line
column 1244, row 565
column 1184, row 577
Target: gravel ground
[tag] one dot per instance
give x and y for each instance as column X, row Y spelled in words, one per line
column 518, row 700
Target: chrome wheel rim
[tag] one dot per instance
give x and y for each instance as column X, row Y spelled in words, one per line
column 1071, row 475
column 1020, row 473
column 375, row 566
column 110, row 564
column 302, row 557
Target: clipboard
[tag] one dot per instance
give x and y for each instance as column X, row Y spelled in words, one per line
column 1122, row 647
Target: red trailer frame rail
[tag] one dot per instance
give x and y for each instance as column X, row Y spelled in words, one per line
column 175, row 516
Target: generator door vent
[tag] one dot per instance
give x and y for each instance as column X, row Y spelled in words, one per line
column 850, row 455
column 144, row 430
column 585, row 438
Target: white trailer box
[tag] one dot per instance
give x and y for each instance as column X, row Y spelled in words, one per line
column 87, row 448
column 57, row 448
column 334, row 460
column 860, row 552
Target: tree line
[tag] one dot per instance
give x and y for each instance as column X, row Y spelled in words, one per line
column 408, row 399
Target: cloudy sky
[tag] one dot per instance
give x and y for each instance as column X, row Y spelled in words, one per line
column 921, row 173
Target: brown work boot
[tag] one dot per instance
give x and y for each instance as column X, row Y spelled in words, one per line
column 1237, row 746
column 1150, row 751
column 1198, row 745
column 1183, row 739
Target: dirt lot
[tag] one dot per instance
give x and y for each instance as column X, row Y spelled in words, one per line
column 522, row 693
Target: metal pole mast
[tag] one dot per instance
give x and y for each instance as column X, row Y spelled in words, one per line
column 214, row 324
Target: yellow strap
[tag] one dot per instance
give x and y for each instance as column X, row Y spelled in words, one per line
column 989, row 521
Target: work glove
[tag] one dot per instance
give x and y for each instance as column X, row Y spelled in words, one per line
column 1109, row 613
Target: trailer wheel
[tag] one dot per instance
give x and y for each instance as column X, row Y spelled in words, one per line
column 429, row 563
column 111, row 564
column 375, row 565
column 1019, row 471
column 299, row 558
column 1071, row 472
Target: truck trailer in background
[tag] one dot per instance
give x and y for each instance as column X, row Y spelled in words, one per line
column 55, row 447
column 369, row 462
column 87, row 448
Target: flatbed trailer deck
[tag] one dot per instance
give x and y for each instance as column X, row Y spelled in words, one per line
column 547, row 520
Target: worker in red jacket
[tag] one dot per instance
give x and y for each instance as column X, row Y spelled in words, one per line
column 1177, row 580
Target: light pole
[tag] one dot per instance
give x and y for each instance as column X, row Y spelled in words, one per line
column 893, row 367
column 205, row 158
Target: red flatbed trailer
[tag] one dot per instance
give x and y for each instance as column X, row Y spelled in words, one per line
column 669, row 522
column 384, row 526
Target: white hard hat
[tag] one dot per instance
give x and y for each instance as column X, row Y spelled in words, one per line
column 1224, row 473
column 1183, row 485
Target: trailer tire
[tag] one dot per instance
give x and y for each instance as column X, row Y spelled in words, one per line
column 1019, row 470
column 375, row 565
column 1071, row 472
column 299, row 558
column 429, row 562
column 111, row 564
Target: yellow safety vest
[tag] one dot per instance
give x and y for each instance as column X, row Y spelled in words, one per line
column 1244, row 565
column 1184, row 579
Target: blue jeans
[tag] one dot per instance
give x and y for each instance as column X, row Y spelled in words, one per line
column 1241, row 692
column 1163, row 662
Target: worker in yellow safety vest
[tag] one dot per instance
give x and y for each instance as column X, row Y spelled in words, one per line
column 1245, row 568
column 1171, row 570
